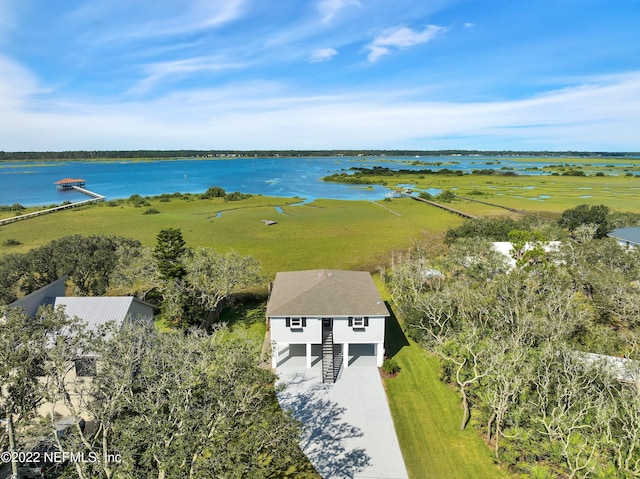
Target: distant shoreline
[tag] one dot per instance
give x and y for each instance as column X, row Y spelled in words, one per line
column 164, row 155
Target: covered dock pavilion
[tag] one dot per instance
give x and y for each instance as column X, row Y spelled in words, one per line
column 68, row 183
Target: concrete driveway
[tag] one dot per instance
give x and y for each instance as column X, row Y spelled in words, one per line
column 349, row 432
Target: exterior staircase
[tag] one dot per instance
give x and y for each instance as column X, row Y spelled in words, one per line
column 328, row 368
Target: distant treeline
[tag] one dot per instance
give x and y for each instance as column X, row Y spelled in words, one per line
column 160, row 154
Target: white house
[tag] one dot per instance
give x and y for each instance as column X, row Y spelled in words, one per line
column 330, row 309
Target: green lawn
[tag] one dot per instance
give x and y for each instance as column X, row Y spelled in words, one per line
column 427, row 415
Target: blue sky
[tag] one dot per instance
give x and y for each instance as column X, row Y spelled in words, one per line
column 323, row 74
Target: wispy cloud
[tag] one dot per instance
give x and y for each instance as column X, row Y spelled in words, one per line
column 133, row 20
column 399, row 37
column 322, row 55
column 158, row 72
column 16, row 84
column 330, row 8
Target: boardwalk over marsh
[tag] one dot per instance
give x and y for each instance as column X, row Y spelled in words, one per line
column 441, row 206
column 95, row 198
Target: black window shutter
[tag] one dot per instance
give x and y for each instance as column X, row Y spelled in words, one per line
column 304, row 322
column 288, row 322
column 366, row 320
column 350, row 321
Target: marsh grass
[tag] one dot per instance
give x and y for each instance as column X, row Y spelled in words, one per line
column 322, row 234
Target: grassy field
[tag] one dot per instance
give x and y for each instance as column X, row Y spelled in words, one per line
column 547, row 195
column 322, row 234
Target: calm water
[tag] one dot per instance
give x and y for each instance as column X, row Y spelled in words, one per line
column 31, row 183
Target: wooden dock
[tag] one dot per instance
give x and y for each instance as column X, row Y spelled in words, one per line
column 514, row 210
column 441, row 206
column 95, row 198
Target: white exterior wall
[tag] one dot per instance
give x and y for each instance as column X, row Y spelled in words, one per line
column 374, row 333
column 312, row 333
column 342, row 333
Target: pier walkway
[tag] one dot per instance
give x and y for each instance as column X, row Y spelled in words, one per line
column 438, row 205
column 515, row 210
column 95, row 198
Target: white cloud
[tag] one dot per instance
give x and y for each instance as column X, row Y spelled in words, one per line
column 469, row 25
column 400, row 37
column 598, row 115
column 330, row 8
column 322, row 55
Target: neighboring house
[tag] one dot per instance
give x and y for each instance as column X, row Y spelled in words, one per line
column 94, row 310
column 329, row 309
column 623, row 369
column 627, row 236
column 505, row 248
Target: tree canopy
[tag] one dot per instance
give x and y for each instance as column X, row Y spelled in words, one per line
column 513, row 341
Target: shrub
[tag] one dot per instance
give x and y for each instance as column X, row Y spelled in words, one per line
column 236, row 196
column 447, row 196
column 425, row 195
column 11, row 242
column 151, row 211
column 214, row 192
column 390, row 366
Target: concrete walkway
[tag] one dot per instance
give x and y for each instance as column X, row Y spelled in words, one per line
column 349, row 432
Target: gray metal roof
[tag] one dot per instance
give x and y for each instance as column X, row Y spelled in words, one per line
column 327, row 293
column 629, row 235
column 40, row 297
column 100, row 310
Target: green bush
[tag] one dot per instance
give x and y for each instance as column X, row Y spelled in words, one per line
column 236, row 196
column 390, row 366
column 151, row 211
column 447, row 196
column 11, row 242
column 214, row 192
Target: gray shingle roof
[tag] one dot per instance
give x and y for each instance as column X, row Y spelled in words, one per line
column 631, row 235
column 327, row 293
